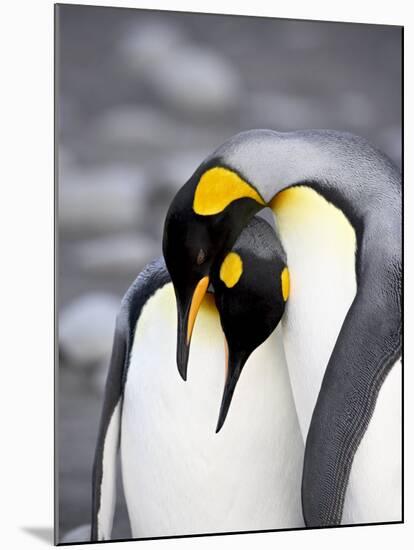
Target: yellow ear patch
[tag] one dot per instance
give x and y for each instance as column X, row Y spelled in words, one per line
column 285, row 279
column 231, row 269
column 217, row 188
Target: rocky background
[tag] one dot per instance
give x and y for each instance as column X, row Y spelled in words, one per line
column 143, row 97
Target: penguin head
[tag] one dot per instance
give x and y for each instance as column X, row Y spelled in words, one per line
column 201, row 226
column 251, row 288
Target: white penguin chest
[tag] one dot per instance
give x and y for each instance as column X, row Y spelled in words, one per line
column 180, row 477
column 320, row 244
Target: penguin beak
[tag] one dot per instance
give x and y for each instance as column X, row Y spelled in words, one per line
column 187, row 313
column 235, row 362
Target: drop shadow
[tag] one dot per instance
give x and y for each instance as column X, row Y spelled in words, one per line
column 42, row 533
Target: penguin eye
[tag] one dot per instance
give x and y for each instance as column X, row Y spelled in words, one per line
column 201, row 257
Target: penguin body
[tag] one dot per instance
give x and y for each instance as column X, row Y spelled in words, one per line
column 153, row 277
column 342, row 327
column 179, row 476
column 322, row 245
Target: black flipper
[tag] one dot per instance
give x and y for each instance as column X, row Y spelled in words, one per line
column 367, row 347
column 152, row 278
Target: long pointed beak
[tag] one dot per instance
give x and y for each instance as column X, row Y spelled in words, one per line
column 235, row 364
column 187, row 314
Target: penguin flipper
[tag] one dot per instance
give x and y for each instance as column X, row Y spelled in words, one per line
column 368, row 346
column 153, row 277
column 104, row 469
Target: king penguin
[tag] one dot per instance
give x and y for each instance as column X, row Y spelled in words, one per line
column 180, row 477
column 337, row 206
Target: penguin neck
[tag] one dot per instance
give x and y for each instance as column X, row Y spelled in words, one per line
column 351, row 228
column 320, row 244
column 345, row 169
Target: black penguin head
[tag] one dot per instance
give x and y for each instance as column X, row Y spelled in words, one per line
column 186, row 246
column 251, row 288
column 194, row 242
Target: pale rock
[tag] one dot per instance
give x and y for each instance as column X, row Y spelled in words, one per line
column 99, row 200
column 196, row 80
column 145, row 45
column 86, row 329
column 136, row 126
column 176, row 169
column 118, row 254
column 183, row 74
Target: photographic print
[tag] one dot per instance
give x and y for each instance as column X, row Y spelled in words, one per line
column 228, row 274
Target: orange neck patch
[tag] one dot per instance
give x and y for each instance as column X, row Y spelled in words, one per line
column 285, row 280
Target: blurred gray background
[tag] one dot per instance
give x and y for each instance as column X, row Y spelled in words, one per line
column 143, row 97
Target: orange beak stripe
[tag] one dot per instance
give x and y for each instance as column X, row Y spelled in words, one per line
column 226, row 356
column 198, row 296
